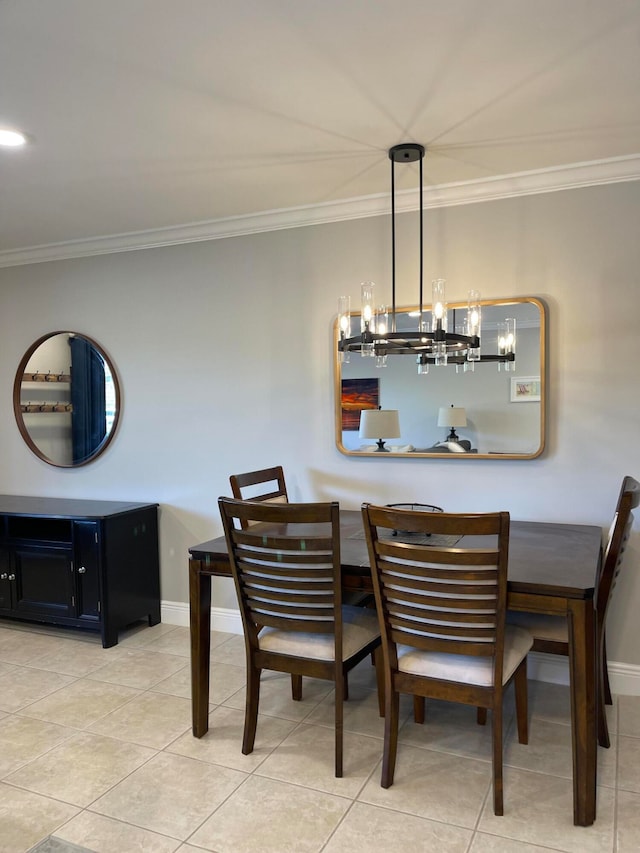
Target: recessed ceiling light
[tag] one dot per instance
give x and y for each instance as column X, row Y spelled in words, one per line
column 12, row 138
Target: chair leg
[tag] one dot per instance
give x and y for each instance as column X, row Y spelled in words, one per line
column 296, row 687
column 392, row 710
column 520, row 686
column 481, row 716
column 345, row 687
column 379, row 661
column 418, row 709
column 603, row 728
column 605, row 673
column 251, row 709
column 496, row 721
column 339, row 700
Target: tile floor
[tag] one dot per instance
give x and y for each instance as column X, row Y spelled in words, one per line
column 96, row 751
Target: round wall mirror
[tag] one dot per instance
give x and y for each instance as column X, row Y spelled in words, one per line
column 66, row 399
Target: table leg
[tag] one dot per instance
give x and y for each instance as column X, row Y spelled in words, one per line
column 200, row 625
column 582, row 669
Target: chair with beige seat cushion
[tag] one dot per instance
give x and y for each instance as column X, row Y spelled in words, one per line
column 551, row 633
column 273, row 489
column 442, row 615
column 285, row 561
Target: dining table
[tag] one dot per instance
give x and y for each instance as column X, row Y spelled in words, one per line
column 552, row 570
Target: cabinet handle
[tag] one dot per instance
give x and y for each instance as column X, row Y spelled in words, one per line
column 81, row 570
column 12, row 577
column 4, row 576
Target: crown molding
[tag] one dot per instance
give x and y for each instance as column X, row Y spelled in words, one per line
column 573, row 176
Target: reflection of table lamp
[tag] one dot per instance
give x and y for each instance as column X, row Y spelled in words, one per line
column 452, row 417
column 375, row 423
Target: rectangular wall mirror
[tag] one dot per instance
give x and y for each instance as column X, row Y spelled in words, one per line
column 499, row 412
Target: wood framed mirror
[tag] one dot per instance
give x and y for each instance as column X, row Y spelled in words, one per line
column 505, row 410
column 66, row 399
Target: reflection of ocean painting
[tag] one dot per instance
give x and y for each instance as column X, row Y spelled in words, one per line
column 357, row 394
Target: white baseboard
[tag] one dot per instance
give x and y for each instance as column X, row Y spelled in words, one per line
column 222, row 618
column 624, row 677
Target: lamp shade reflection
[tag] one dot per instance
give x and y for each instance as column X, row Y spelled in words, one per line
column 380, row 424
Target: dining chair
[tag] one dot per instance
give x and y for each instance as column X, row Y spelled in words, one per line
column 285, row 561
column 242, row 485
column 442, row 608
column 551, row 633
column 243, row 488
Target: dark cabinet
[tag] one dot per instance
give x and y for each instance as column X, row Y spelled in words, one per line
column 85, row 564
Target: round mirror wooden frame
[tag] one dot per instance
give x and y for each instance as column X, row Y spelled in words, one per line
column 66, row 399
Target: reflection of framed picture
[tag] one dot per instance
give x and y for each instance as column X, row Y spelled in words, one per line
column 357, row 394
column 525, row 389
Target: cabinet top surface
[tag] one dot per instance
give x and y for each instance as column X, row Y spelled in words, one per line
column 66, row 507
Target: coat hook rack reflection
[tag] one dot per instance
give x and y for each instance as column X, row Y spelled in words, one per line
column 32, row 408
column 46, row 377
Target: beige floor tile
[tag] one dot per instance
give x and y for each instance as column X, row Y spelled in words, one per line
column 224, row 681
column 176, row 642
column 23, row 739
column 106, row 835
column 628, row 823
column 141, row 633
column 81, row 703
column 629, row 715
column 275, row 696
column 628, row 763
column 386, row 830
column 493, row 844
column 23, row 686
column 230, row 651
column 451, row 727
column 81, row 769
column 307, row 758
column 433, row 785
column 361, row 713
column 271, row 817
column 22, row 647
column 223, row 742
column 6, row 668
column 28, row 818
column 151, row 719
column 140, row 668
column 74, row 657
column 550, row 751
column 171, row 795
column 538, row 809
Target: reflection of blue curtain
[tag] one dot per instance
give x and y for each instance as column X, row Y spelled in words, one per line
column 88, row 423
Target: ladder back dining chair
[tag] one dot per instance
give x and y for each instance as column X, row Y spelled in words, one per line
column 242, row 485
column 442, row 609
column 551, row 633
column 285, row 561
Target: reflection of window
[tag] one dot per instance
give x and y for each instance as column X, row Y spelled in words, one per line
column 110, row 399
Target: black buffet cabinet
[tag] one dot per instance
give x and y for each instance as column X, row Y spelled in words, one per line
column 85, row 564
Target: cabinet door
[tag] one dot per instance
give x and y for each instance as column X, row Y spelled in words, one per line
column 6, row 585
column 86, row 535
column 44, row 580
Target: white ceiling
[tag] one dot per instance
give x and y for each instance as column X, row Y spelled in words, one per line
column 150, row 114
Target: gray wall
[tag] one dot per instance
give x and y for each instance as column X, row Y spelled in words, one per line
column 224, row 353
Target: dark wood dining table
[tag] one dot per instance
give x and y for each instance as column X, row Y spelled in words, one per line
column 552, row 569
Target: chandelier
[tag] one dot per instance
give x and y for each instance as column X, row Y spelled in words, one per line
column 434, row 340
